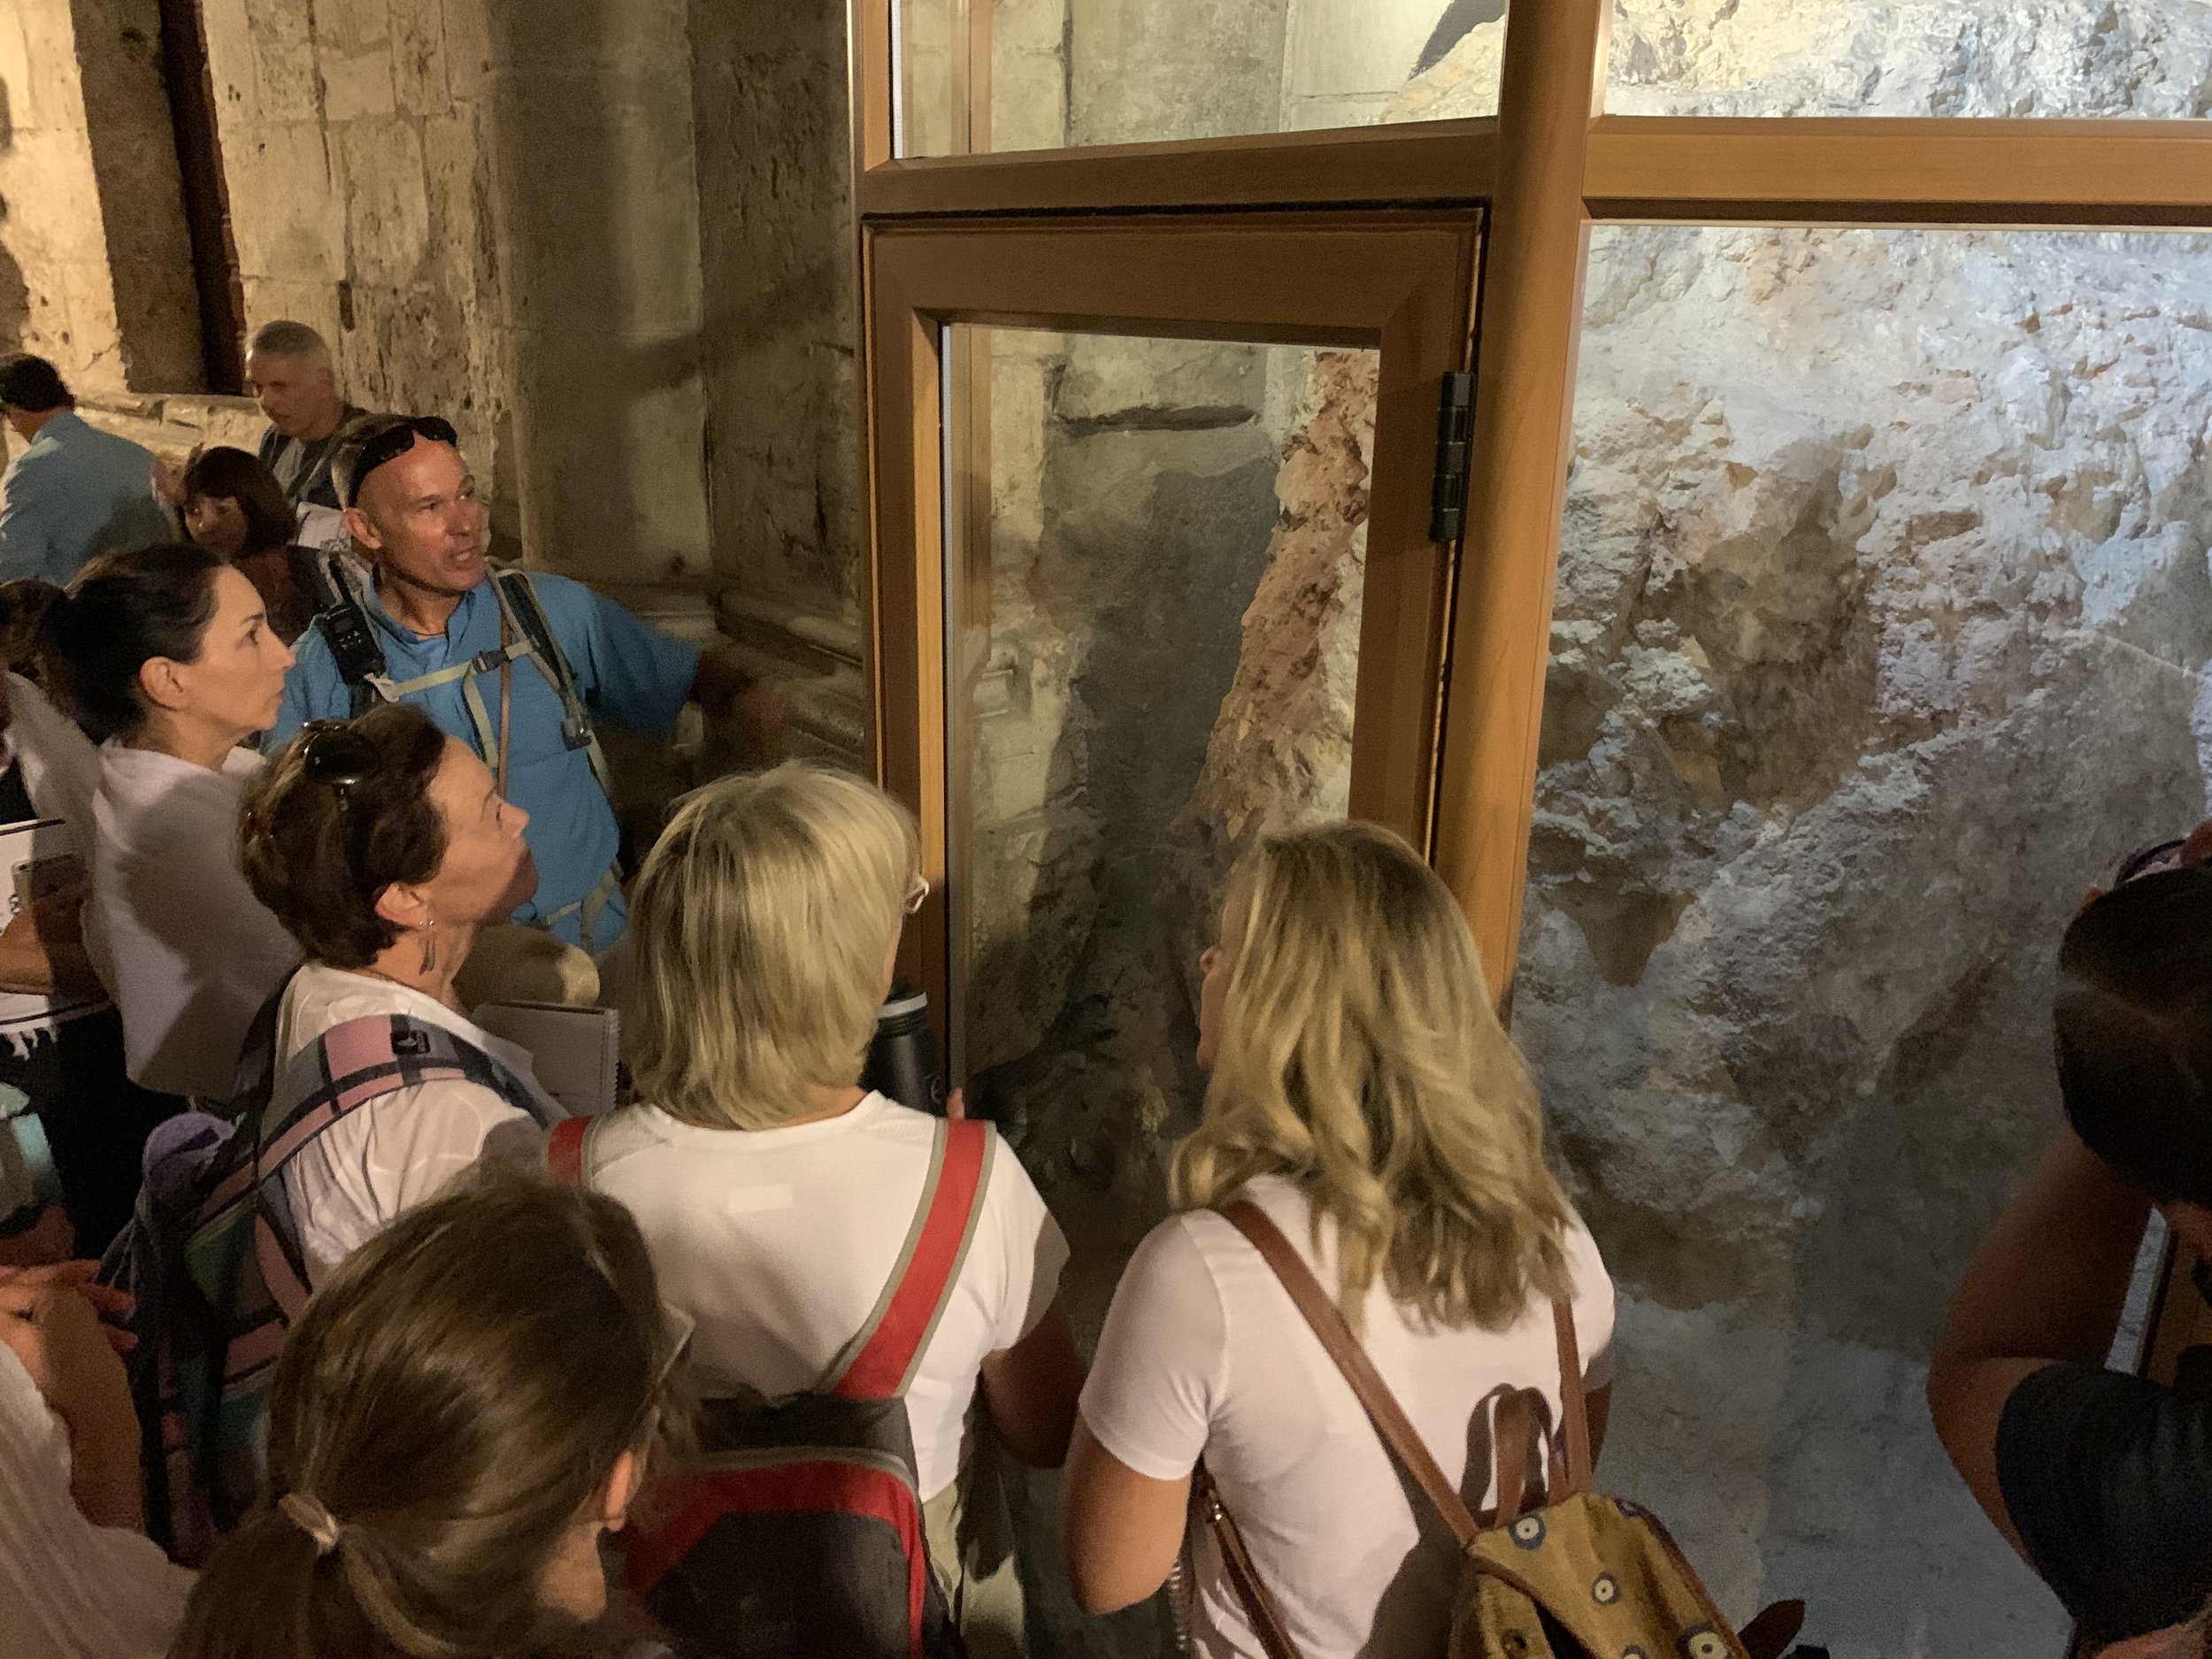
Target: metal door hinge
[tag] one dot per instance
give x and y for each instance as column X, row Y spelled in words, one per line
column 1454, row 429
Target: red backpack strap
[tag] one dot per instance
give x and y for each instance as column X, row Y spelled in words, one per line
column 879, row 1362
column 565, row 1151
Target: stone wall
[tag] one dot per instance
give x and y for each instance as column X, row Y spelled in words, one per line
column 490, row 212
column 781, row 322
column 358, row 163
column 95, row 269
column 597, row 216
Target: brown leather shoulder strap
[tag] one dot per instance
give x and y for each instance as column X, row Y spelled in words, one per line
column 1243, row 1574
column 1574, row 1411
column 1382, row 1407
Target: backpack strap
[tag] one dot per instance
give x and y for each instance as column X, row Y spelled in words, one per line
column 518, row 600
column 1574, row 1411
column 1242, row 1570
column 346, row 1068
column 879, row 1362
column 1389, row 1418
column 564, row 1152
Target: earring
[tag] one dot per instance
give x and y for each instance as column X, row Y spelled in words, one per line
column 430, row 947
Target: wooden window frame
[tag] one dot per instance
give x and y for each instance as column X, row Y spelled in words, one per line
column 1399, row 282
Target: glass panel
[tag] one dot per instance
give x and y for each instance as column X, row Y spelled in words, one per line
column 975, row 75
column 1881, row 626
column 1909, row 57
column 1154, row 642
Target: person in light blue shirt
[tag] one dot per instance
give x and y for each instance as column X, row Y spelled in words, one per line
column 455, row 642
column 76, row 491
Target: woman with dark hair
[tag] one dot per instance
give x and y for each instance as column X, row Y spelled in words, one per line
column 2098, row 1476
column 382, row 845
column 465, row 1409
column 233, row 506
column 166, row 657
column 23, row 604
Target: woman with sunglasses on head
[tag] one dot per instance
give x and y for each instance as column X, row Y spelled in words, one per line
column 381, row 844
column 166, row 658
column 461, row 1415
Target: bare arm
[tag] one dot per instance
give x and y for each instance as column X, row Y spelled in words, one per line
column 2045, row 1288
column 51, row 1323
column 1031, row 1388
column 1122, row 1530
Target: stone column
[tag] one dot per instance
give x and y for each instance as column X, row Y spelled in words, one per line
column 597, row 217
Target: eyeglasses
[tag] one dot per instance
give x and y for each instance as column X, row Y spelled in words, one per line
column 917, row 894
column 389, row 444
column 335, row 755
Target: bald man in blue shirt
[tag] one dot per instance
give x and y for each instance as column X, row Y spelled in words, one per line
column 456, row 641
column 76, row 492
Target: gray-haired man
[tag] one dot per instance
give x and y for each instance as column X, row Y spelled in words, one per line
column 289, row 372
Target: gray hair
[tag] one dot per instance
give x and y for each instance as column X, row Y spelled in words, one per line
column 289, row 340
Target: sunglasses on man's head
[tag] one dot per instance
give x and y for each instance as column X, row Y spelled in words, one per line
column 390, row 442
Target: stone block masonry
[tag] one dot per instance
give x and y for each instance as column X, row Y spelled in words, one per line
column 95, row 269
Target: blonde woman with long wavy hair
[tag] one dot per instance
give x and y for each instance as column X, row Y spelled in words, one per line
column 1362, row 1093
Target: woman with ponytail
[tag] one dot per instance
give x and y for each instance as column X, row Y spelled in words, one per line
column 461, row 1414
column 165, row 658
column 1363, row 1097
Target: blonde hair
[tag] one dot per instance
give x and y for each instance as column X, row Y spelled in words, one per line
column 1360, row 1057
column 760, row 926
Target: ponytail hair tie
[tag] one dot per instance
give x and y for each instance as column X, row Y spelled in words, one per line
column 312, row 1519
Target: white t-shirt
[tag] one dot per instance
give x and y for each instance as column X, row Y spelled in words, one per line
column 69, row 1589
column 395, row 1152
column 178, row 934
column 778, row 1244
column 1203, row 1351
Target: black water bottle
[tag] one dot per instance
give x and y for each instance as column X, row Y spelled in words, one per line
column 904, row 1062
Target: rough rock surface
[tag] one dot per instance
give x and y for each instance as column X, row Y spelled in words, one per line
column 1882, row 614
column 1881, row 619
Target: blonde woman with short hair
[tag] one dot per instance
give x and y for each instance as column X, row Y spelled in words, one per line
column 775, row 1194
column 1363, row 1095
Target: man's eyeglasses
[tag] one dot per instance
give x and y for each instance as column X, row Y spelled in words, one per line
column 389, row 444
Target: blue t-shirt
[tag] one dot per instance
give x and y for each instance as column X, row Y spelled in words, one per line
column 626, row 673
column 76, row 492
